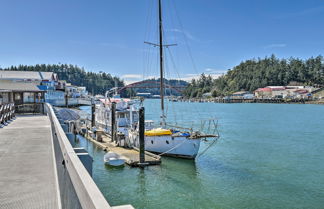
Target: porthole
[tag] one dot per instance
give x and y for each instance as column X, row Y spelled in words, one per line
column 167, row 141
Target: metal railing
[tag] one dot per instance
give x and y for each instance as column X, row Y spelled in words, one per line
column 72, row 173
column 7, row 112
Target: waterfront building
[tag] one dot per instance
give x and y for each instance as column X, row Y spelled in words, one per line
column 285, row 92
column 319, row 93
column 242, row 95
column 75, row 91
column 29, row 86
column 82, row 91
column 263, row 93
column 23, row 92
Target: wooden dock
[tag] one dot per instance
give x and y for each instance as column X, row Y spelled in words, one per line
column 131, row 155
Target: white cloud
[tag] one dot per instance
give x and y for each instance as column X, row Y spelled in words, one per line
column 189, row 77
column 132, row 76
column 214, row 71
column 186, row 33
column 271, row 46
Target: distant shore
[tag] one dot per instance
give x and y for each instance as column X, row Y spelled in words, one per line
column 255, row 100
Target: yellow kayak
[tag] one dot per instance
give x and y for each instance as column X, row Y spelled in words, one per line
column 158, row 132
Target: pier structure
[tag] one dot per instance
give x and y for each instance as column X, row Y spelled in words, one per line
column 132, row 156
column 40, row 169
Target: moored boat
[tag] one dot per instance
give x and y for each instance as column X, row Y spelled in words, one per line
column 113, row 159
column 167, row 139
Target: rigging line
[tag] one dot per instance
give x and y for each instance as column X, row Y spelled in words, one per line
column 172, row 148
column 175, row 37
column 185, row 38
column 146, row 35
column 165, row 75
column 172, row 61
column 207, row 148
column 149, row 51
column 187, row 46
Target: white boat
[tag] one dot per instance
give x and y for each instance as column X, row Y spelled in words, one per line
column 113, row 159
column 167, row 139
column 126, row 114
column 169, row 142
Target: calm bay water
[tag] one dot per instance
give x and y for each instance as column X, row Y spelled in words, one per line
column 268, row 156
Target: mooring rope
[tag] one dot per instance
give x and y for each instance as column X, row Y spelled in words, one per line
column 172, row 148
column 203, row 152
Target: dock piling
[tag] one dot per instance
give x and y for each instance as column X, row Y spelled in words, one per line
column 141, row 138
column 66, row 100
column 93, row 115
column 113, row 122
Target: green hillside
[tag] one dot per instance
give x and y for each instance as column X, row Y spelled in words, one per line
column 255, row 73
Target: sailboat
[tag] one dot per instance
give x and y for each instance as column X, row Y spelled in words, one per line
column 167, row 139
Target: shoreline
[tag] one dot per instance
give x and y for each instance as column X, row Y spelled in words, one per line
column 273, row 101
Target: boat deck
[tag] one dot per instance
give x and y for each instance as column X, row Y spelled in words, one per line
column 131, row 155
column 27, row 171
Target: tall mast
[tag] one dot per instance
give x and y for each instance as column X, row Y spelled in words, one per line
column 161, row 64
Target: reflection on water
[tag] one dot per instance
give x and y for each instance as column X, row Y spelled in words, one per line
column 269, row 156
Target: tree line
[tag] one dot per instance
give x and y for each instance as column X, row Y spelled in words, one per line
column 256, row 73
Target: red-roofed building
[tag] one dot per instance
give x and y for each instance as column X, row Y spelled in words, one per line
column 263, row 92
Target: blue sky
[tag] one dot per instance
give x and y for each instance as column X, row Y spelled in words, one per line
column 108, row 35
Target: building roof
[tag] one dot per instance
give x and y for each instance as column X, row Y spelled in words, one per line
column 267, row 89
column 301, row 91
column 240, row 93
column 27, row 75
column 19, row 86
column 276, row 88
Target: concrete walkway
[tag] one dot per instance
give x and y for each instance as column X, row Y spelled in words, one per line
column 27, row 174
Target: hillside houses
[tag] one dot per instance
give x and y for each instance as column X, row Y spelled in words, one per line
column 284, row 92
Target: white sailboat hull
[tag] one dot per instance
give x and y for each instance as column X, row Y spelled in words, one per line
column 167, row 145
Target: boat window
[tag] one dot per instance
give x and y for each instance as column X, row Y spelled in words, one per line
column 152, row 141
column 167, row 141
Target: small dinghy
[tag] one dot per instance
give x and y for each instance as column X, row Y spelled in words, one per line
column 113, row 159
